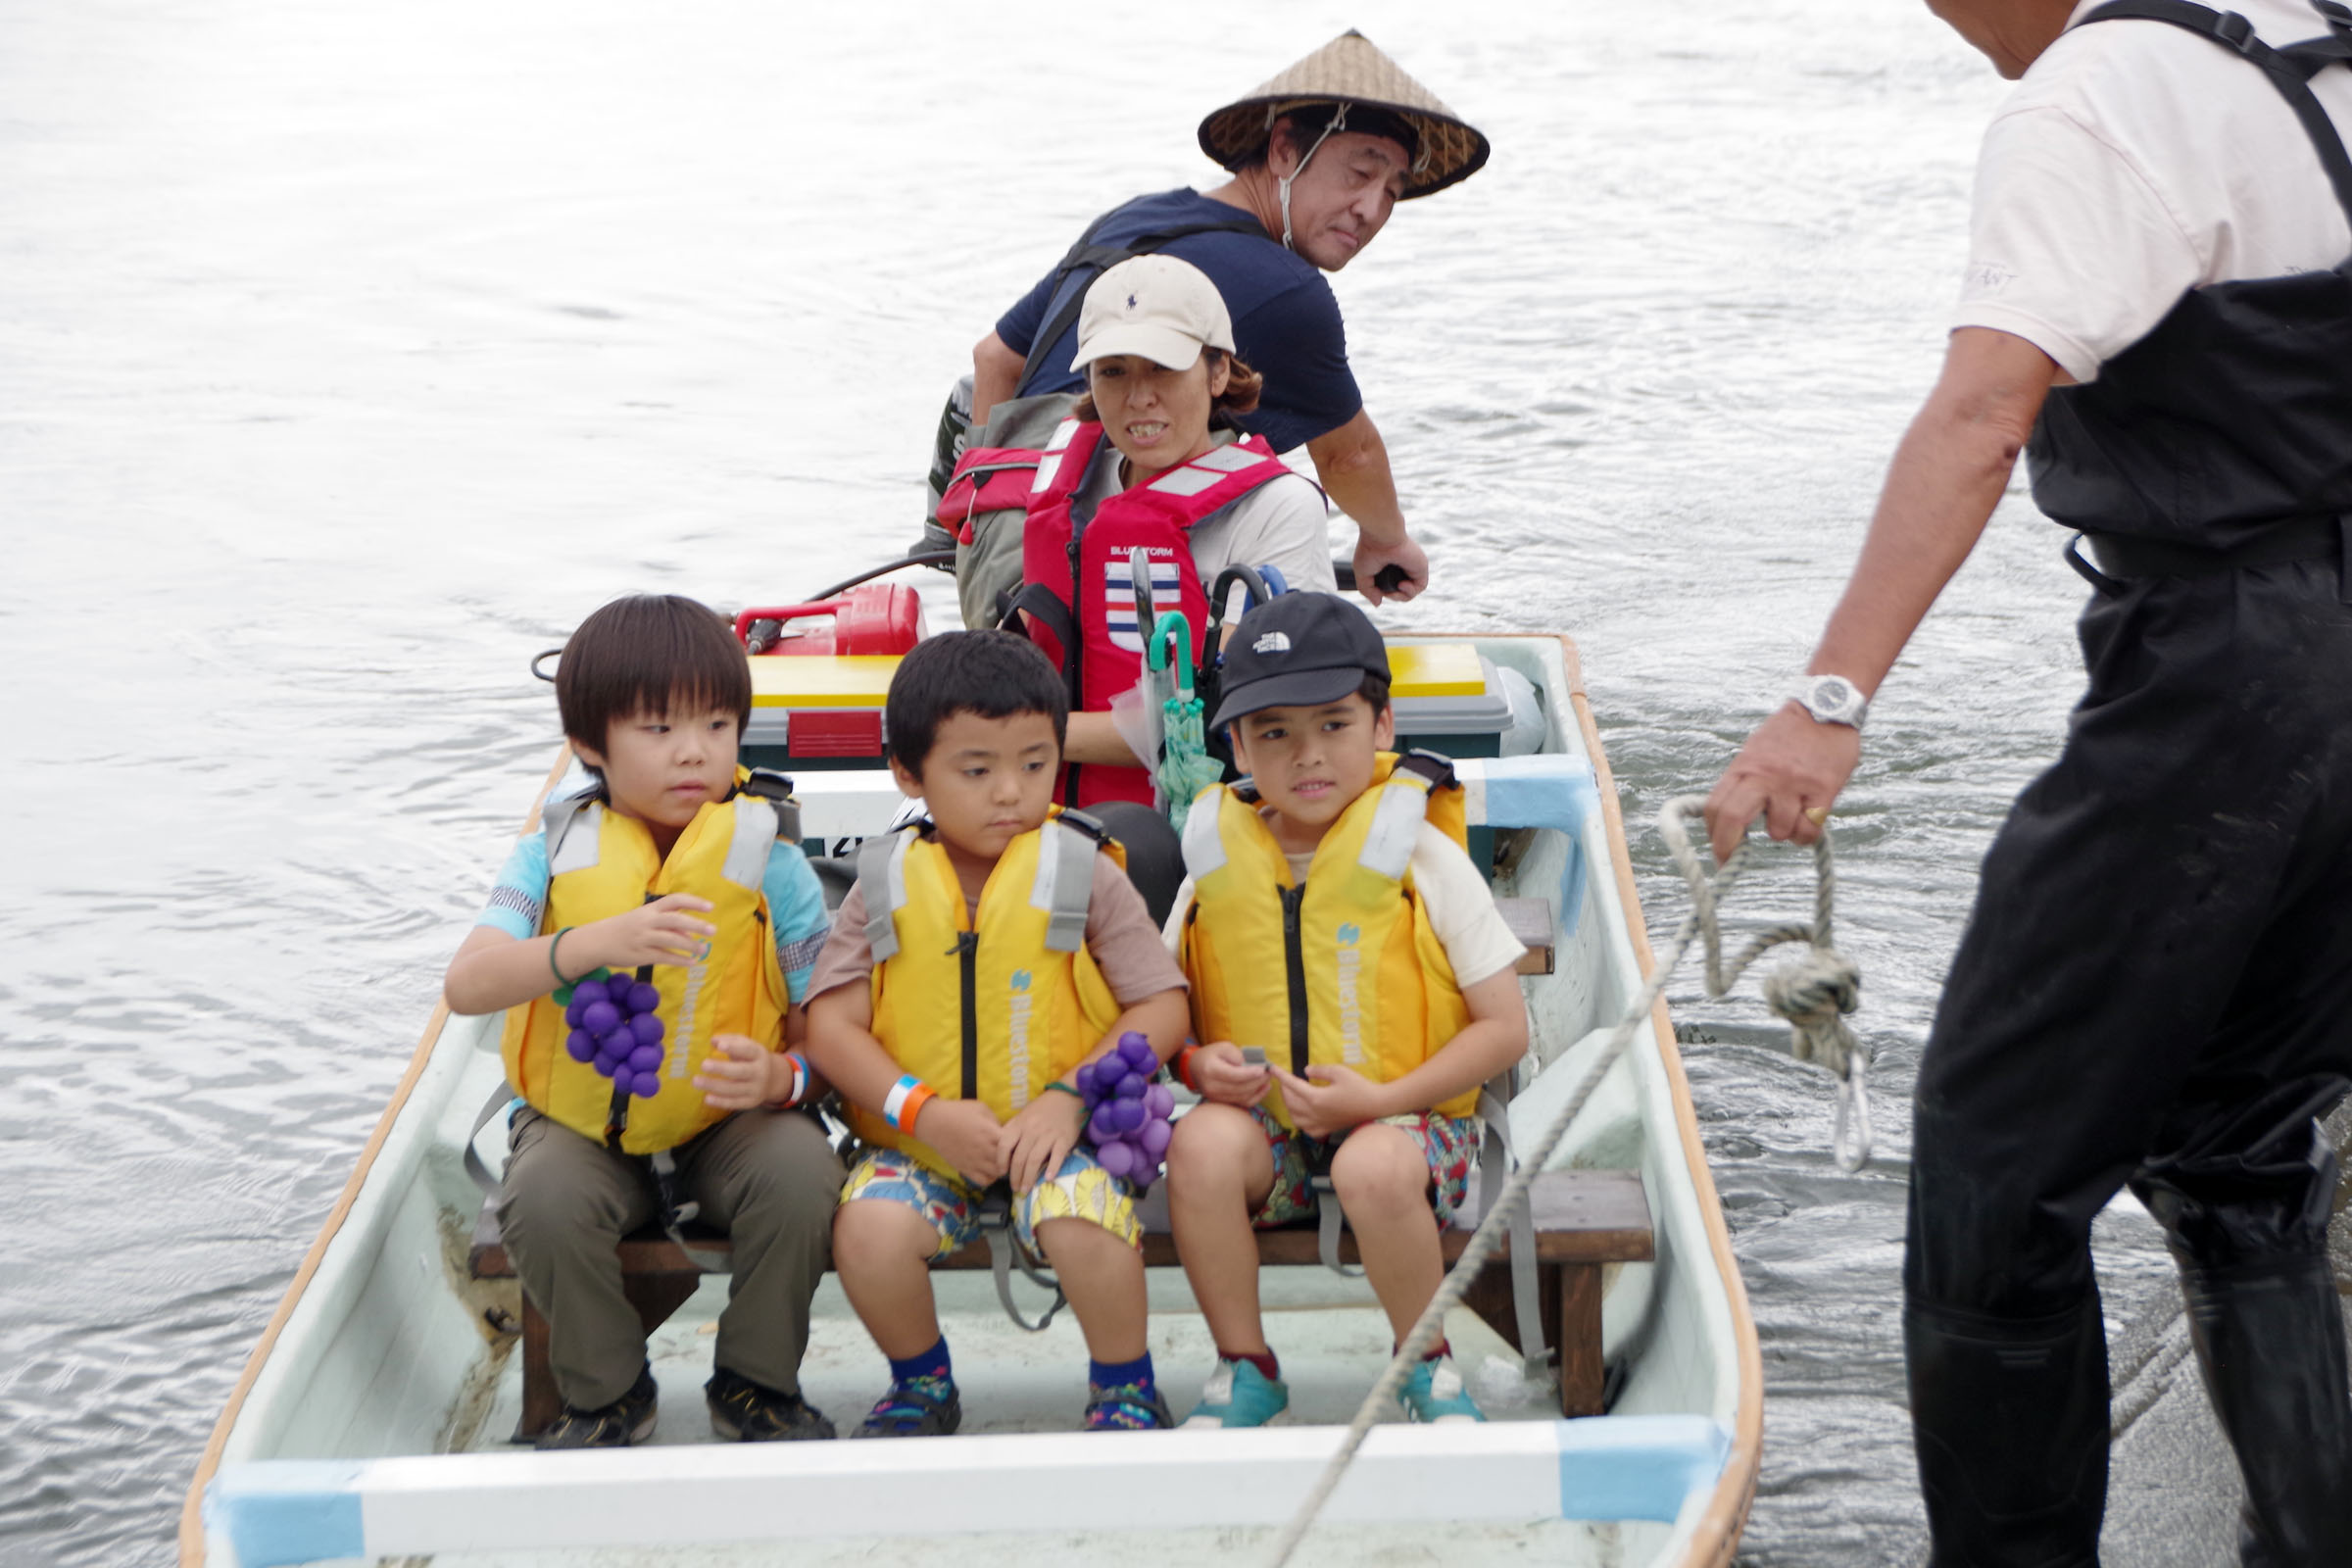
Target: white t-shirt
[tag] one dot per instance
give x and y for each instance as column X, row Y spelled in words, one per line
column 1477, row 940
column 1280, row 523
column 2134, row 162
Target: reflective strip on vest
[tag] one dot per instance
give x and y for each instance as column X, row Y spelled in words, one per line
column 882, row 881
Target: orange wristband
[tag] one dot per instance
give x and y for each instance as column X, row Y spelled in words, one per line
column 906, row 1099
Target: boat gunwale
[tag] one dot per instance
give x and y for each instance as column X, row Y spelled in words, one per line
column 1715, row 1534
column 1715, row 1537
column 191, row 1512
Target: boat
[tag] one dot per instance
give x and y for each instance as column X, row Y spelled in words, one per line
column 371, row 1421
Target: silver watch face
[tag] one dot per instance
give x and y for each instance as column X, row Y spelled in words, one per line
column 1832, row 700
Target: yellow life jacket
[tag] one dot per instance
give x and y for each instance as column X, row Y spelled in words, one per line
column 1343, row 969
column 990, row 1010
column 601, row 863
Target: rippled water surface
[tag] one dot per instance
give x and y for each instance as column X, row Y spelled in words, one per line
column 348, row 354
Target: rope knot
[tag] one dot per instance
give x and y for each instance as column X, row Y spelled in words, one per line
column 1814, row 993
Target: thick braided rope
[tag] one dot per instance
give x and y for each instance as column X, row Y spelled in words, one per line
column 1814, row 993
column 1494, row 1225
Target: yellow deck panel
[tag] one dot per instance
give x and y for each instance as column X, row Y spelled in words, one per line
column 789, row 680
column 825, row 680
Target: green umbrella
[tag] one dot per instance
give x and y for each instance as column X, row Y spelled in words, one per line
column 1185, row 765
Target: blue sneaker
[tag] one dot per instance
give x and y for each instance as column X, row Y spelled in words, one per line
column 1434, row 1391
column 1239, row 1395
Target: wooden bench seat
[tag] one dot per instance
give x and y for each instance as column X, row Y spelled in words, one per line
column 1583, row 1219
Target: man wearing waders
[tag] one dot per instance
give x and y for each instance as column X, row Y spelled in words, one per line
column 1319, row 157
column 2156, row 985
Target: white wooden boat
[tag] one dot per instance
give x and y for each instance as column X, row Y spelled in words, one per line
column 371, row 1421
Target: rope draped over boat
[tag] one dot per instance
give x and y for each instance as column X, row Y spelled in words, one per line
column 1813, row 995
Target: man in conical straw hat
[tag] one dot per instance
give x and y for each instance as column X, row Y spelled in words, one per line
column 1318, row 157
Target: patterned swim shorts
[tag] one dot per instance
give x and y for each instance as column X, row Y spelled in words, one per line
column 951, row 1205
column 1450, row 1145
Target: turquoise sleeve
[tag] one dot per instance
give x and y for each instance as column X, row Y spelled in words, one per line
column 798, row 904
column 519, row 898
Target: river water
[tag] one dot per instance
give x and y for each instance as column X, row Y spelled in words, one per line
column 349, row 354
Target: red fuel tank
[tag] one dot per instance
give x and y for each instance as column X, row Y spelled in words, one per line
column 872, row 617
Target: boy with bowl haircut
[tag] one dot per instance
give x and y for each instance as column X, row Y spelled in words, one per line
column 670, row 870
column 1330, row 923
column 955, row 1002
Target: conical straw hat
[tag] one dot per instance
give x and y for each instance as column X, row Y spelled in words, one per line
column 1350, row 70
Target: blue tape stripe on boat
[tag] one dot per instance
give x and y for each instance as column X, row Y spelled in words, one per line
column 1546, row 790
column 1637, row 1466
column 288, row 1511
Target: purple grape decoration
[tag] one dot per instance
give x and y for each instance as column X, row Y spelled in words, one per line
column 616, row 1026
column 1127, row 1111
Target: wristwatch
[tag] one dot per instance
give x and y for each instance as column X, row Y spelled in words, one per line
column 1832, row 700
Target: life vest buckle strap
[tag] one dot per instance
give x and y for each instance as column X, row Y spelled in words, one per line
column 1006, row 1252
column 1327, row 1222
column 677, row 1215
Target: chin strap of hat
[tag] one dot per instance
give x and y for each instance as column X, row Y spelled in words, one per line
column 1336, row 123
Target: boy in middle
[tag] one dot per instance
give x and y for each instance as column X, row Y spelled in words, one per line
column 1329, row 922
column 984, row 956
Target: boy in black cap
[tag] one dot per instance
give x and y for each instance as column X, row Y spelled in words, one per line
column 1334, row 929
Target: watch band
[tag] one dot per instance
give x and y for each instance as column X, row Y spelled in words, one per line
column 1832, row 700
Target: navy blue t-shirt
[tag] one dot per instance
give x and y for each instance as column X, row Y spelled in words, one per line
column 1286, row 323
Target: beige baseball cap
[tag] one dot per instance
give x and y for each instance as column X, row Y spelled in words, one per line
column 1156, row 307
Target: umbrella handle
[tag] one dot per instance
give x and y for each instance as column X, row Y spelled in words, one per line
column 1173, row 621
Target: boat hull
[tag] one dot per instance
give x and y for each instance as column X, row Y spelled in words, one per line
column 386, row 1363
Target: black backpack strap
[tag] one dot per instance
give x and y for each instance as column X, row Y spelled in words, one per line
column 1037, row 602
column 1094, row 259
column 2290, row 69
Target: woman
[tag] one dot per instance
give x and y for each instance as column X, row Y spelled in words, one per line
column 1149, row 461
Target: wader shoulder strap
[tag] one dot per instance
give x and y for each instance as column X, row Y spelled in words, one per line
column 2290, row 69
column 1087, row 256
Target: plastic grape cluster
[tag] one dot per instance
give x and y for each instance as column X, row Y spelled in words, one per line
column 1128, row 1113
column 615, row 1025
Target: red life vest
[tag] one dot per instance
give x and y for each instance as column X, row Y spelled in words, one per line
column 1085, row 567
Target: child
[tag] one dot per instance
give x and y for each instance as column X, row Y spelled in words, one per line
column 672, row 867
column 952, row 1008
column 1329, row 921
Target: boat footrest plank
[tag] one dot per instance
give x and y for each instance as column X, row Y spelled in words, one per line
column 1583, row 1220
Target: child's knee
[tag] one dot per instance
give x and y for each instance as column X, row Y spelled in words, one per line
column 1093, row 1240
column 1380, row 1168
column 1213, row 1145
column 793, row 1178
column 878, row 1232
